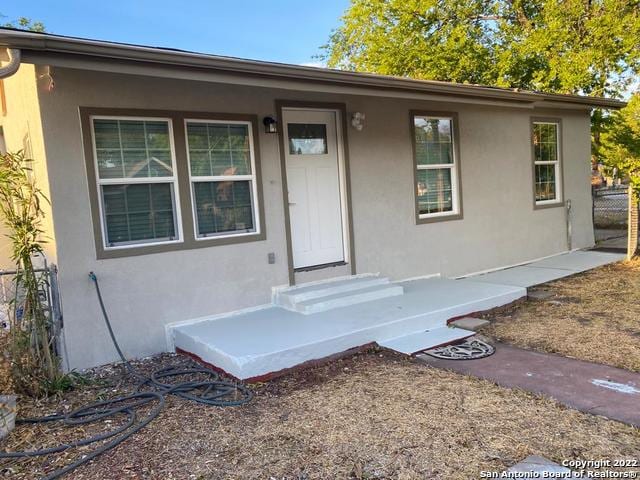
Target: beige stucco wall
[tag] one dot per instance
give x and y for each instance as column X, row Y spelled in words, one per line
column 143, row 293
column 22, row 130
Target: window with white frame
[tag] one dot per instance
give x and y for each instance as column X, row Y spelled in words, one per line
column 136, row 180
column 546, row 159
column 436, row 164
column 223, row 178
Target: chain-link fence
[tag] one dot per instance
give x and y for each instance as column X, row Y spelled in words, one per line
column 611, row 215
column 615, row 226
column 634, row 228
column 610, row 207
column 11, row 299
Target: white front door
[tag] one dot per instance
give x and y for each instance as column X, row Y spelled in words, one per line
column 314, row 185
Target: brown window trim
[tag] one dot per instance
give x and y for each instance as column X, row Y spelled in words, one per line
column 177, row 118
column 456, row 149
column 560, row 182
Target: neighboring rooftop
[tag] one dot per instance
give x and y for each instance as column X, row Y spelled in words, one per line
column 35, row 46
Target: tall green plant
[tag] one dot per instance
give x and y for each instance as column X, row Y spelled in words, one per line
column 34, row 364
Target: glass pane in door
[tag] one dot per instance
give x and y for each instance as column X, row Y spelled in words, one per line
column 307, row 138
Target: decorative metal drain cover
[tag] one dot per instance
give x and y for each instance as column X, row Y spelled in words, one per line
column 470, row 349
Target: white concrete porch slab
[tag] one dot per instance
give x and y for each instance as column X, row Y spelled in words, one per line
column 548, row 269
column 254, row 344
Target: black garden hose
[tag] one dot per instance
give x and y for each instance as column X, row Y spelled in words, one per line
column 210, row 391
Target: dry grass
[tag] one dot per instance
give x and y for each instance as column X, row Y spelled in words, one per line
column 374, row 415
column 593, row 316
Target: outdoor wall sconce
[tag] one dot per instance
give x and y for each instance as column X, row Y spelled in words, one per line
column 270, row 125
column 357, row 120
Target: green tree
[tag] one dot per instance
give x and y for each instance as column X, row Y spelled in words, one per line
column 566, row 46
column 589, row 47
column 24, row 23
column 418, row 38
column 621, row 141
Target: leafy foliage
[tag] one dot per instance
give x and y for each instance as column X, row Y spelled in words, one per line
column 621, row 141
column 34, row 365
column 417, row 38
column 24, row 23
column 565, row 46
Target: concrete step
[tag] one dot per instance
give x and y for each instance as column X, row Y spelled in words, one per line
column 319, row 297
column 416, row 342
column 347, row 298
column 289, row 296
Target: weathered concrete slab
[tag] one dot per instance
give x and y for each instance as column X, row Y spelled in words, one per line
column 585, row 386
column 470, row 323
column 539, row 294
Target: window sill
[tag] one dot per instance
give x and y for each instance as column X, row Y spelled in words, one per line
column 544, row 206
column 190, row 244
column 221, row 237
column 439, row 218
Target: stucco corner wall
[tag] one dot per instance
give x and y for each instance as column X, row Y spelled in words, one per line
column 22, row 129
column 577, row 177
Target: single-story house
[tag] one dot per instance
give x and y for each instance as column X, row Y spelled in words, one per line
column 192, row 184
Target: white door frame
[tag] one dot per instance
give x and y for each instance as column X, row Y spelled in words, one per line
column 343, row 174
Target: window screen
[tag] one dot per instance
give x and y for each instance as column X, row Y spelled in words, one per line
column 546, row 161
column 436, row 166
column 136, row 180
column 223, row 179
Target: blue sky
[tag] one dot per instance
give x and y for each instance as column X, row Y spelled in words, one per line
column 278, row 30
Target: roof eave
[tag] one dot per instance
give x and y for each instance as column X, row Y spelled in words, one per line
column 94, row 48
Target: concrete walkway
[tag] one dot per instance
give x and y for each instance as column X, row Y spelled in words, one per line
column 310, row 322
column 588, row 387
column 548, row 269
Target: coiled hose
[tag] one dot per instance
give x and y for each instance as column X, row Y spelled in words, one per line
column 208, row 389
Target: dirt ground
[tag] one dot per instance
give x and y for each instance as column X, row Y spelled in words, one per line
column 372, row 415
column 593, row 316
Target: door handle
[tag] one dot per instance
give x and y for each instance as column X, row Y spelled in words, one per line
column 292, row 203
